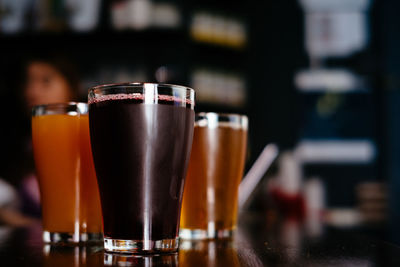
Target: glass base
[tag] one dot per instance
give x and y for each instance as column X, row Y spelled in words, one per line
column 140, row 246
column 119, row 259
column 60, row 238
column 91, row 237
column 71, row 238
column 201, row 234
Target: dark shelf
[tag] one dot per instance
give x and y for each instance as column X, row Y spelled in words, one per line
column 150, row 42
column 106, row 36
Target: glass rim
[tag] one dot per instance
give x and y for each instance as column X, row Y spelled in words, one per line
column 61, row 104
column 236, row 120
column 140, row 84
column 53, row 106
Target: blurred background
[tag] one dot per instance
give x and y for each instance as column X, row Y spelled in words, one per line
column 319, row 78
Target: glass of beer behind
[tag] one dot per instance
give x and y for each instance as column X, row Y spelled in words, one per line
column 69, row 194
column 210, row 198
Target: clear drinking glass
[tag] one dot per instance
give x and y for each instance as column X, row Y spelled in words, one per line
column 69, row 194
column 141, row 137
column 210, row 200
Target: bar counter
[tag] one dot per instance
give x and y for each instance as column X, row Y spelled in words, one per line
column 258, row 242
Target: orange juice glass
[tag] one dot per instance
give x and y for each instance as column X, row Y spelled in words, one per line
column 64, row 165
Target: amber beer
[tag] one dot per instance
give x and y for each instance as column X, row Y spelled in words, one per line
column 69, row 194
column 210, row 199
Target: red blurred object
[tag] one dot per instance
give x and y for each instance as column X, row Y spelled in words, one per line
column 289, row 205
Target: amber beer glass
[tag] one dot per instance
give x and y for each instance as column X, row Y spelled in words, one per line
column 69, row 193
column 210, row 198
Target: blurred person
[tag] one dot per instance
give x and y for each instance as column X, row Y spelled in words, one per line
column 50, row 80
column 47, row 79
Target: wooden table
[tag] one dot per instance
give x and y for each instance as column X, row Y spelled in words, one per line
column 286, row 243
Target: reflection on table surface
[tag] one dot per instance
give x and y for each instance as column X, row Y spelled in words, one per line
column 262, row 242
column 73, row 256
column 95, row 256
column 217, row 253
column 191, row 253
column 210, row 253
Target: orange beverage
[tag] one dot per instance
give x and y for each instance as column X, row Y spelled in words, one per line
column 90, row 208
column 210, row 198
column 64, row 165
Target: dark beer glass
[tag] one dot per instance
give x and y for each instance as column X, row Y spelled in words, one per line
column 141, row 136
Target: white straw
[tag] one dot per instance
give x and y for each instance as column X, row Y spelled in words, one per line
column 256, row 172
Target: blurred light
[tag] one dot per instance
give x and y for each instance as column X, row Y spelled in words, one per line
column 321, row 80
column 335, row 5
column 8, row 195
column 342, row 217
column 83, row 15
column 314, row 196
column 219, row 87
column 335, row 27
column 162, row 74
column 134, row 14
column 165, row 15
column 218, row 29
column 372, row 200
column 335, row 151
column 328, row 104
column 12, row 15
